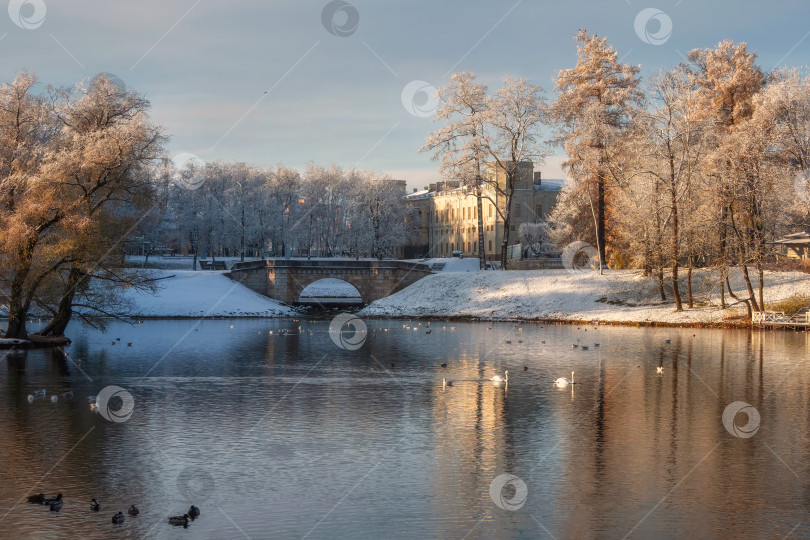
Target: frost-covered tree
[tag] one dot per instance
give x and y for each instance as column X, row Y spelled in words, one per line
column 674, row 148
column 595, row 106
column 75, row 167
column 514, row 121
column 380, row 221
column 727, row 79
column 460, row 144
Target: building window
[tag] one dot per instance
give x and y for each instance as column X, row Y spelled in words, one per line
column 490, row 245
column 539, row 210
column 490, row 211
column 517, row 210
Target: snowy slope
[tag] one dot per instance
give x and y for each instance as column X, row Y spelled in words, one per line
column 195, row 294
column 617, row 296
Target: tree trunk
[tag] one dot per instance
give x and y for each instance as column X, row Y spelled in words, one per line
column 660, row 275
column 64, row 313
column 675, row 238
column 691, row 299
column 737, row 298
column 482, row 256
column 749, row 287
column 17, row 306
column 16, row 318
column 600, row 218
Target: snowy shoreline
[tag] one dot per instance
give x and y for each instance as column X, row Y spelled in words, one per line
column 622, row 297
column 542, row 296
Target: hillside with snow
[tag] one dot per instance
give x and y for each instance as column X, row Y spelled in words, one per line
column 623, row 296
column 201, row 294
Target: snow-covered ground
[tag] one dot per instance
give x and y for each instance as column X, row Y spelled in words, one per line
column 330, row 288
column 197, row 294
column 451, row 264
column 616, row 296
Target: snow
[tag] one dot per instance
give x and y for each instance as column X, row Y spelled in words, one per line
column 452, row 264
column 196, row 294
column 330, row 288
column 7, row 342
column 616, row 296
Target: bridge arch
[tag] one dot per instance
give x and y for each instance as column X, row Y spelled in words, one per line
column 333, row 290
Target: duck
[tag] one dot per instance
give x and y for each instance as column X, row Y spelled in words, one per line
column 659, row 370
column 443, row 365
column 118, row 518
column 51, row 500
column 498, row 378
column 94, row 506
column 193, row 511
column 54, row 399
column 39, row 498
column 68, row 394
column 562, row 382
column 56, row 505
column 39, row 393
column 445, row 382
column 30, row 398
column 179, row 520
column 525, row 368
column 133, row 510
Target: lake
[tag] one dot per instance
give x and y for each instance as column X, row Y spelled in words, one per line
column 277, row 430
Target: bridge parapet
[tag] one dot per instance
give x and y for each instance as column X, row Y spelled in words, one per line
column 284, row 279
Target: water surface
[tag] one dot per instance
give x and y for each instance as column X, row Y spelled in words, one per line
column 276, row 432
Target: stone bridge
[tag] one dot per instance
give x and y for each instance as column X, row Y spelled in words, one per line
column 284, row 279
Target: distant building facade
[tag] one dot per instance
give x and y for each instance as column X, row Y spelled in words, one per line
column 447, row 214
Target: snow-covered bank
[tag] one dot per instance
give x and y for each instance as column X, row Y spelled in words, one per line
column 617, row 296
column 198, row 294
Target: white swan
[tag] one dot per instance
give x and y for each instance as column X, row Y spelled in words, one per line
column 562, row 382
column 498, row 378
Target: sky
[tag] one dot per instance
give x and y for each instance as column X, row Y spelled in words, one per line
column 294, row 81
